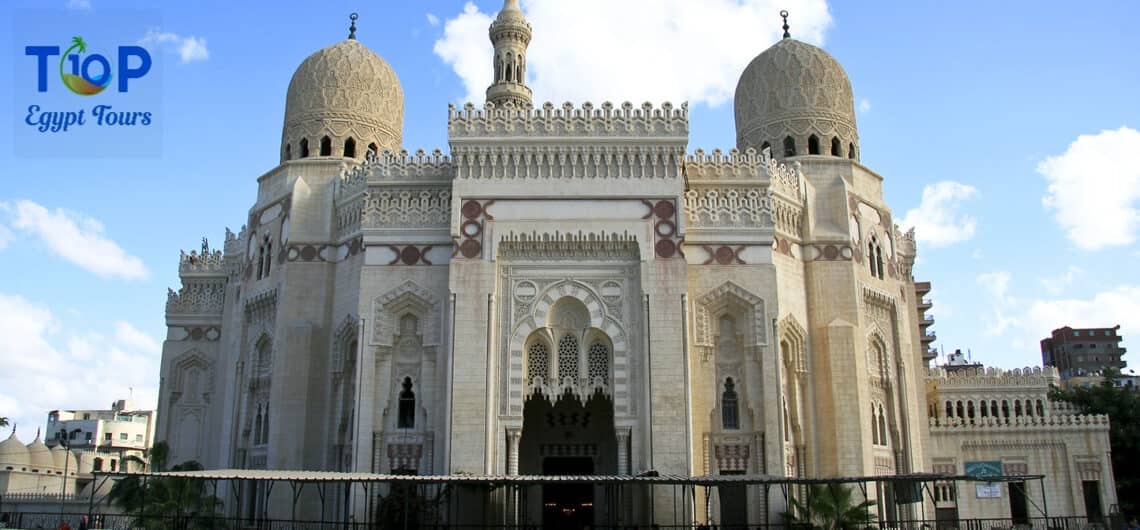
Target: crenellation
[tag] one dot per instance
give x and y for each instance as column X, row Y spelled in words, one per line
column 567, row 161
column 605, row 121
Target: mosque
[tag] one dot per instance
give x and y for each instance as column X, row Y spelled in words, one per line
column 565, row 290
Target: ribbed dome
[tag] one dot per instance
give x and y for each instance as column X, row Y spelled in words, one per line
column 796, row 90
column 343, row 91
column 39, row 456
column 13, row 453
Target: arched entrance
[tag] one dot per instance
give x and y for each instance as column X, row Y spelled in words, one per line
column 568, row 437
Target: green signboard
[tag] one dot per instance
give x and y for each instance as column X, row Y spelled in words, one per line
column 984, row 468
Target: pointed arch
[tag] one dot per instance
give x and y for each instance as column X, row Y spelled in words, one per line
column 730, row 298
column 408, row 297
column 350, row 148
column 813, row 145
column 836, row 146
column 304, row 148
column 793, row 347
column 789, row 146
column 288, row 152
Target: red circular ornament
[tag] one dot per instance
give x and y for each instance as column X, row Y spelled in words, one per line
column 470, row 248
column 410, row 255
column 665, row 248
column 830, row 252
column 725, row 255
column 664, row 209
column 308, row 253
column 472, row 209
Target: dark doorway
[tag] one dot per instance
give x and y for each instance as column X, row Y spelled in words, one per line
column 568, row 506
column 1091, row 490
column 733, row 504
column 1018, row 510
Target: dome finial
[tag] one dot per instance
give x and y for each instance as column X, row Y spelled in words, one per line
column 784, row 14
column 352, row 26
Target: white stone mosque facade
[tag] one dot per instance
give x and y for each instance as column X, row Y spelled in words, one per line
column 566, row 289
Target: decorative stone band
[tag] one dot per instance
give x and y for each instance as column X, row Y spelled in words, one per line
column 1072, row 421
column 568, row 161
column 208, row 261
column 978, row 377
column 201, row 333
column 750, row 164
column 569, row 121
column 197, row 297
column 562, row 245
column 388, row 166
column 324, row 252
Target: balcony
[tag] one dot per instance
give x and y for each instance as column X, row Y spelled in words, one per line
column 926, row 321
column 929, row 337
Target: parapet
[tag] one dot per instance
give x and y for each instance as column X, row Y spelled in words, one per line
column 569, row 121
column 742, row 165
column 402, row 166
column 206, row 261
column 990, row 376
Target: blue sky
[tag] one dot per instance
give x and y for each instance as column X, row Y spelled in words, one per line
column 1005, row 131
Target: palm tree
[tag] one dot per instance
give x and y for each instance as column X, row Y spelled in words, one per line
column 165, row 502
column 830, row 507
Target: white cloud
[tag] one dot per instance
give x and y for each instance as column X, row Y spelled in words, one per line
column 1094, row 188
column 189, row 48
column 635, row 50
column 78, row 239
column 864, row 106
column 996, row 288
column 936, row 220
column 1119, row 305
column 432, row 20
column 79, row 5
column 1056, row 284
column 5, row 236
column 46, row 365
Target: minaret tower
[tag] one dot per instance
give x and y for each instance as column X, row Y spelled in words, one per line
column 510, row 34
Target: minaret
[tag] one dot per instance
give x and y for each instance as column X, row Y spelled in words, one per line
column 510, row 34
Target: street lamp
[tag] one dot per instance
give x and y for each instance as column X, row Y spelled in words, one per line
column 63, row 434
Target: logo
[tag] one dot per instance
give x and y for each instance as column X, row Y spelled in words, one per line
column 89, row 74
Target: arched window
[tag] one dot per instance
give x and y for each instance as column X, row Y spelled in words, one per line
column 874, row 426
column 961, row 410
column 537, row 362
column 326, row 146
column 518, row 73
column 288, row 152
column 114, row 464
column 374, row 149
column 851, row 150
column 993, row 408
column 949, row 410
column 1017, row 408
column 870, row 258
column 407, row 415
column 789, row 146
column 268, row 254
column 304, row 148
column 729, row 406
column 257, row 427
column 598, row 363
column 813, row 145
column 567, row 358
column 509, row 69
column 1040, row 409
column 265, row 426
column 879, row 260
column 984, row 408
column 764, row 146
column 1004, row 409
column 98, row 465
column 836, row 146
column 882, row 426
column 350, row 148
column 970, row 410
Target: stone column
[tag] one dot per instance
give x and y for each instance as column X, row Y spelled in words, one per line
column 513, row 437
column 623, row 450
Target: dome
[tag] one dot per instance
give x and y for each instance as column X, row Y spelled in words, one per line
column 39, row 456
column 343, row 92
column 789, row 94
column 13, row 453
column 63, row 459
